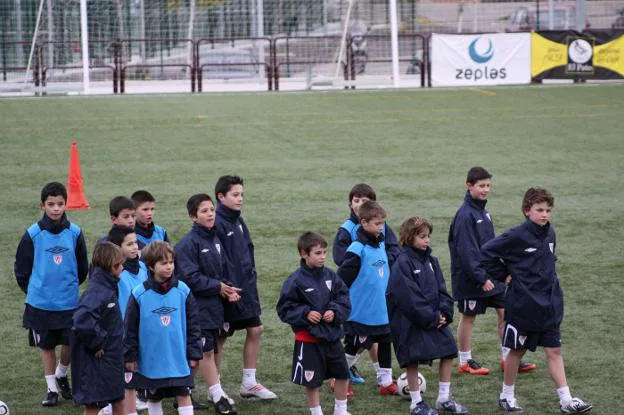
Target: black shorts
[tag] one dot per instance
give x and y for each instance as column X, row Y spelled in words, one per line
column 230, row 327
column 104, row 404
column 209, row 341
column 129, row 380
column 474, row 306
column 48, row 339
column 170, row 392
column 315, row 362
column 366, row 342
column 516, row 339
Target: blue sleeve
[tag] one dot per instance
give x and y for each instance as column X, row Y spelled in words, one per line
column 131, row 330
column 290, row 307
column 408, row 297
column 187, row 270
column 467, row 248
column 493, row 253
column 193, row 330
column 87, row 318
column 24, row 258
column 350, row 268
column 392, row 246
column 446, row 301
column 340, row 303
column 82, row 258
column 340, row 246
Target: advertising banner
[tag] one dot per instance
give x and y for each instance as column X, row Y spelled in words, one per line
column 481, row 59
column 574, row 55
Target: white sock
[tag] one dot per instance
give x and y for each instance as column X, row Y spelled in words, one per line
column 508, row 392
column 340, row 407
column 351, row 359
column 464, row 357
column 154, row 408
column 415, row 398
column 504, row 352
column 216, row 392
column 444, row 391
column 316, row 411
column 249, row 378
column 185, row 410
column 386, row 376
column 564, row 395
column 51, row 382
column 61, row 370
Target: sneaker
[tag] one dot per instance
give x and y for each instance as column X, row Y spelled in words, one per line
column 140, row 405
column 422, row 408
column 51, row 399
column 350, row 393
column 257, row 391
column 509, row 405
column 576, row 406
column 523, row 368
column 451, row 407
column 223, row 406
column 472, row 367
column 64, row 388
column 355, row 376
column 391, row 389
column 230, row 400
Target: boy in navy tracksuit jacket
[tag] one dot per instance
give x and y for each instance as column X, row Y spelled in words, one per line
column 534, row 301
column 50, row 263
column 97, row 336
column 147, row 231
column 420, row 311
column 200, row 263
column 162, row 334
column 471, row 228
column 366, row 270
column 239, row 253
column 315, row 302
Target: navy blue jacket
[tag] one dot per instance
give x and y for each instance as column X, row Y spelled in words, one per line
column 343, row 239
column 241, row 265
column 98, row 324
column 314, row 289
column 200, row 263
column 471, row 228
column 36, row 318
column 416, row 296
column 534, row 300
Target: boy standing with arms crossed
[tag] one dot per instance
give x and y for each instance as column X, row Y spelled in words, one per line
column 534, row 301
column 315, row 302
column 50, row 263
column 239, row 252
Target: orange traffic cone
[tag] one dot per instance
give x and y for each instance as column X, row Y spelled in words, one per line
column 76, row 198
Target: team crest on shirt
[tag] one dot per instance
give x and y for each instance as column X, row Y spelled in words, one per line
column 165, row 314
column 551, row 245
column 380, row 270
column 522, row 339
column 309, row 374
column 165, row 320
column 472, row 304
column 58, row 259
column 128, row 376
column 328, row 284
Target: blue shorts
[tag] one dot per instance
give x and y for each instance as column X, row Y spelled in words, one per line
column 517, row 339
column 474, row 306
column 315, row 362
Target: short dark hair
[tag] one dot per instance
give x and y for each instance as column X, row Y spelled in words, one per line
column 309, row 240
column 411, row 227
column 53, row 189
column 370, row 210
column 536, row 195
column 225, row 183
column 362, row 190
column 155, row 252
column 477, row 173
column 141, row 196
column 106, row 255
column 119, row 203
column 192, row 205
column 118, row 233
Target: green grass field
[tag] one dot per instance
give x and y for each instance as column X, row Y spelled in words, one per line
column 300, row 154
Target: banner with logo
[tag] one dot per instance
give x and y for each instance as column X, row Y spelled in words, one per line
column 573, row 55
column 484, row 59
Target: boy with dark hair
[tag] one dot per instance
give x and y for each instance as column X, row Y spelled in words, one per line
column 201, row 265
column 97, row 336
column 534, row 300
column 241, row 268
column 50, row 263
column 162, row 340
column 366, row 270
column 147, row 231
column 315, row 302
column 346, row 234
column 122, row 211
column 471, row 228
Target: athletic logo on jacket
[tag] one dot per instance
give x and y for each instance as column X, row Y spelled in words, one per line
column 551, row 245
column 328, row 283
column 165, row 314
column 218, row 248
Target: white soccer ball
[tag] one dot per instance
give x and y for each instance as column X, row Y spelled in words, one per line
column 4, row 409
column 403, row 387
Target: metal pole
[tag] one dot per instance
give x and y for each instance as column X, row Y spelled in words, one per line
column 50, row 35
column 260, row 33
column 581, row 11
column 394, row 34
column 142, row 29
column 84, row 35
column 551, row 15
column 18, row 34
